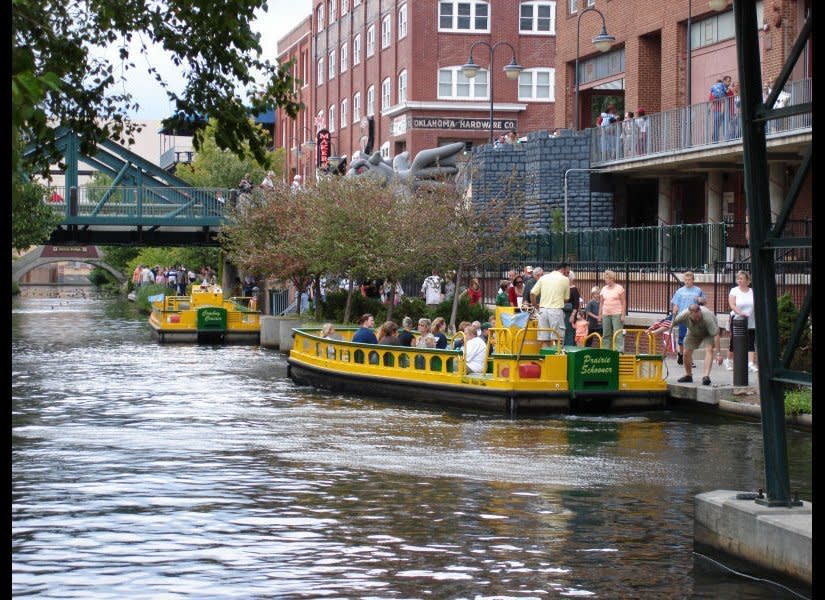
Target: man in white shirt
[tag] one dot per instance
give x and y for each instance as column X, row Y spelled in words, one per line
column 431, row 289
column 475, row 351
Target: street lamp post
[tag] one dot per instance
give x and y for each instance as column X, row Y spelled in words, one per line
column 603, row 41
column 564, row 242
column 512, row 70
column 308, row 147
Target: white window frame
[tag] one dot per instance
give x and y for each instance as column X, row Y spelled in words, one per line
column 386, row 94
column 402, row 22
column 331, row 121
column 474, row 4
column 344, row 112
column 344, row 57
column 331, row 69
column 320, row 16
column 356, row 3
column 386, row 31
column 321, row 118
column 331, row 11
column 356, row 107
column 402, row 86
column 385, row 150
column 572, row 7
column 535, row 18
column 356, row 50
column 534, row 84
column 456, row 71
column 370, row 40
column 321, row 75
column 344, row 6
column 369, row 109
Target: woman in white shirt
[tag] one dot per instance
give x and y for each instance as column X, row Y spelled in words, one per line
column 741, row 306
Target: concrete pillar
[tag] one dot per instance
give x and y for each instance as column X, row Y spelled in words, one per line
column 714, row 215
column 664, row 211
column 229, row 273
column 270, row 332
column 776, row 188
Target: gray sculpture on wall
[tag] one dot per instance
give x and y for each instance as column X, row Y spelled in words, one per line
column 429, row 167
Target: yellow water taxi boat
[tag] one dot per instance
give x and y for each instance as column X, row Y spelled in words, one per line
column 521, row 375
column 205, row 316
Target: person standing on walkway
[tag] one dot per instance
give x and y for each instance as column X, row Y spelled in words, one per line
column 529, row 282
column 741, row 306
column 612, row 307
column 550, row 293
column 703, row 331
column 592, row 314
column 431, row 290
column 571, row 310
column 684, row 297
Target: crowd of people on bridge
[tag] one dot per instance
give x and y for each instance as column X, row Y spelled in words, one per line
column 177, row 278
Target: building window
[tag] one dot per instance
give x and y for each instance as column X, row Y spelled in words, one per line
column 601, row 66
column 538, row 17
column 344, row 57
column 320, row 13
column 356, row 3
column 320, row 74
column 452, row 83
column 331, row 64
column 344, row 116
column 402, row 86
column 344, row 6
column 319, row 119
column 386, row 31
column 591, row 2
column 331, row 11
column 385, row 150
column 464, row 15
column 331, row 122
column 573, row 7
column 356, row 50
column 713, row 30
column 371, row 40
column 402, row 22
column 537, row 84
column 386, row 94
column 356, row 107
column 370, row 108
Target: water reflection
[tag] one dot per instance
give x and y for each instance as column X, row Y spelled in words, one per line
column 142, row 470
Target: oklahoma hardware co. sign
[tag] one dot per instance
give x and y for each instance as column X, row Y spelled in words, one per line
column 463, row 124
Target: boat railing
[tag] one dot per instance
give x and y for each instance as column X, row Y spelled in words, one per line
column 244, row 303
column 637, row 334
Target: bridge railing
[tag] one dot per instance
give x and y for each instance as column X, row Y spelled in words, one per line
column 107, row 203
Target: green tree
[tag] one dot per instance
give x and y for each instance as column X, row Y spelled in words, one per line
column 33, row 220
column 214, row 167
column 56, row 77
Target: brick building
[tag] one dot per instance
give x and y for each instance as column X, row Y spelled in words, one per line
column 399, row 62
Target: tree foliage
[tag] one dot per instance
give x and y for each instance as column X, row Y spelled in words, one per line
column 33, row 220
column 214, row 167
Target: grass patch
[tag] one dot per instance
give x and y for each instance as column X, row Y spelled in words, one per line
column 798, row 402
column 143, row 293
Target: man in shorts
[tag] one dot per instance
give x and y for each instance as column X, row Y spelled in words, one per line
column 702, row 331
column 550, row 293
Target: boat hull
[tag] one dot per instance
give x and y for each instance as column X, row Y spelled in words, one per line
column 192, row 336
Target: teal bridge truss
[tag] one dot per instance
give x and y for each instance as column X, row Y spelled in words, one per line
column 144, row 204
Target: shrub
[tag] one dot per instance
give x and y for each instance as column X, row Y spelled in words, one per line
column 143, row 293
column 333, row 308
column 798, row 401
column 15, row 288
column 100, row 277
column 787, row 314
column 465, row 312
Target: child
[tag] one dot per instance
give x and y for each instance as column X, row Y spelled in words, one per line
column 502, row 298
column 582, row 328
column 592, row 314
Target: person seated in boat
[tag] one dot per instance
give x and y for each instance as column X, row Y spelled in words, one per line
column 365, row 334
column 458, row 339
column 475, row 351
column 405, row 336
column 425, row 338
column 437, row 329
column 387, row 335
column 328, row 332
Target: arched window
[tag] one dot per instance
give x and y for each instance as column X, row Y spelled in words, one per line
column 386, row 94
column 402, row 22
column 386, row 32
column 356, row 50
column 371, row 40
column 344, row 56
column 402, row 86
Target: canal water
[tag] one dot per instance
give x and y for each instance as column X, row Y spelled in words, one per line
column 149, row 471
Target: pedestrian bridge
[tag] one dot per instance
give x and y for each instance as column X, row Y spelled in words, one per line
column 143, row 205
column 43, row 255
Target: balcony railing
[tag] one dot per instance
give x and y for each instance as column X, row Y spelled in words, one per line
column 696, row 126
column 175, row 155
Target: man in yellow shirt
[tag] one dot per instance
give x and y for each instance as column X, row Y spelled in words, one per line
column 550, row 292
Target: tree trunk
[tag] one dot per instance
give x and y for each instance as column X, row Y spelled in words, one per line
column 391, row 299
column 317, row 286
column 297, row 283
column 348, row 306
column 458, row 274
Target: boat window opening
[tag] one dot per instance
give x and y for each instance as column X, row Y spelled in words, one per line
column 331, row 352
column 420, row 362
column 435, row 364
column 374, row 357
column 451, row 365
column 359, row 357
column 389, row 360
column 404, row 361
column 306, row 345
column 345, row 356
column 318, row 349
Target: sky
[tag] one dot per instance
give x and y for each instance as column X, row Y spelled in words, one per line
column 282, row 16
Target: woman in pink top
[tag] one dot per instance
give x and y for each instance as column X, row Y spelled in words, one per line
column 611, row 311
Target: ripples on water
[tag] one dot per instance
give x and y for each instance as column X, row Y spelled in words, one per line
column 149, row 471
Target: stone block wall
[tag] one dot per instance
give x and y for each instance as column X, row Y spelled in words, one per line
column 536, row 168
